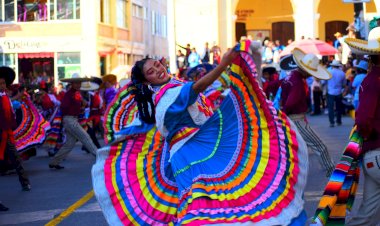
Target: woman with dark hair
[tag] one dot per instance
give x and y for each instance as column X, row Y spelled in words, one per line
column 173, row 160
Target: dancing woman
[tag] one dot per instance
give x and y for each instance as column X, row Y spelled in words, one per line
column 172, row 160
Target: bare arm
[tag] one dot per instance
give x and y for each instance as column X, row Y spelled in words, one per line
column 210, row 77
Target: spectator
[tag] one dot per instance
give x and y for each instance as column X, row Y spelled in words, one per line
column 194, row 58
column 206, row 54
column 361, row 72
column 335, row 88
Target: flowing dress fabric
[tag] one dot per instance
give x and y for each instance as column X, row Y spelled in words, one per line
column 240, row 164
column 33, row 128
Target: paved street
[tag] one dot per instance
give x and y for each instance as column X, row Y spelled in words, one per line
column 54, row 191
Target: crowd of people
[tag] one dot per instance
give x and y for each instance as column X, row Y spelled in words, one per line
column 222, row 141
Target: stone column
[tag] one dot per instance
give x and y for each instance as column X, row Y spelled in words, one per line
column 306, row 18
column 89, row 54
column 226, row 24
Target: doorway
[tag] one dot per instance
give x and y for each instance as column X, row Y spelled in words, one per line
column 240, row 30
column 332, row 27
column 283, row 31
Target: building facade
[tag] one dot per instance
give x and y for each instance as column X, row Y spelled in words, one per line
column 224, row 21
column 89, row 37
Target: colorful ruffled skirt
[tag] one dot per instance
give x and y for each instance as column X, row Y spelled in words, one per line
column 246, row 164
column 32, row 129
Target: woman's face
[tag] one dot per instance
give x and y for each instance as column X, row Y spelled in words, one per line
column 155, row 73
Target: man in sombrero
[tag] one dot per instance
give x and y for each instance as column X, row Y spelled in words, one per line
column 8, row 152
column 368, row 125
column 294, row 102
column 71, row 108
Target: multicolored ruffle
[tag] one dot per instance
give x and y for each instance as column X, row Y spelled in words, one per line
column 261, row 181
column 32, row 129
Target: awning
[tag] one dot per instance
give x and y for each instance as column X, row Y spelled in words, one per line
column 35, row 55
column 106, row 51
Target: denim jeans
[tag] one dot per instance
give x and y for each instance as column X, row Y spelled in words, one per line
column 335, row 107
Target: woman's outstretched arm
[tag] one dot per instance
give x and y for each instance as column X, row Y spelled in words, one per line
column 210, row 77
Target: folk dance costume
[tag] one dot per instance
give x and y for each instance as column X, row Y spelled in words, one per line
column 363, row 147
column 95, row 110
column 71, row 108
column 8, row 151
column 243, row 163
column 32, row 128
column 294, row 103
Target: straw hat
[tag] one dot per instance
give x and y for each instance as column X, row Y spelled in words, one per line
column 338, row 34
column 75, row 78
column 287, row 63
column 310, row 63
column 336, row 63
column 363, row 47
column 8, row 74
column 89, row 86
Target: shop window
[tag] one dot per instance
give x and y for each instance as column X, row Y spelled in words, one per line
column 105, row 11
column 121, row 13
column 8, row 59
column 68, row 64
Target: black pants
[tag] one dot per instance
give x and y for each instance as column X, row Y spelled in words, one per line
column 91, row 132
column 13, row 160
column 317, row 98
column 335, row 106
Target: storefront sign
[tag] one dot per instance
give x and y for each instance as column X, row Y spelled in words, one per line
column 244, row 13
column 36, row 45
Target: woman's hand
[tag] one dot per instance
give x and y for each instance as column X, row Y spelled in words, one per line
column 229, row 56
column 210, row 77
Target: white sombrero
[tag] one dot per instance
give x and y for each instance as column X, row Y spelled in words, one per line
column 363, row 47
column 310, row 63
column 89, row 86
column 75, row 78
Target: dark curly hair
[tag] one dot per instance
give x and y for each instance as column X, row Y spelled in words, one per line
column 143, row 95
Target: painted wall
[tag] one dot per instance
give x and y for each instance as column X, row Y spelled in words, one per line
column 262, row 14
column 330, row 10
column 196, row 22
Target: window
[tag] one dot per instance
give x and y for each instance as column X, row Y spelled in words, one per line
column 68, row 64
column 8, row 59
column 65, row 9
column 105, row 11
column 121, row 14
column 9, row 11
column 159, row 24
column 138, row 11
column 41, row 10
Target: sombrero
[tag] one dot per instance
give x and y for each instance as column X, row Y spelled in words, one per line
column 199, row 71
column 363, row 47
column 75, row 78
column 336, row 63
column 8, row 74
column 96, row 80
column 287, row 63
column 89, row 86
column 271, row 69
column 310, row 64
